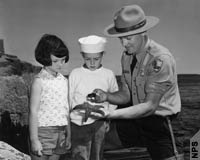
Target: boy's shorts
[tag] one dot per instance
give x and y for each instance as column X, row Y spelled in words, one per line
column 52, row 139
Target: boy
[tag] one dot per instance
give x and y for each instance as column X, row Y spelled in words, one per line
column 87, row 132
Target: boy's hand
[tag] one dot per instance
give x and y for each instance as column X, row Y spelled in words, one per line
column 107, row 125
column 101, row 96
column 36, row 147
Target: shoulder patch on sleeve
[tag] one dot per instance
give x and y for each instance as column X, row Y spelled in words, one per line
column 157, row 65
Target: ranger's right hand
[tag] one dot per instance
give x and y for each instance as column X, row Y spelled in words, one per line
column 101, row 96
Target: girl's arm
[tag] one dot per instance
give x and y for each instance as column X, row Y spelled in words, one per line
column 68, row 129
column 36, row 146
column 68, row 132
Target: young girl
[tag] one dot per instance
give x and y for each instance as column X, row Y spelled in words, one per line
column 49, row 125
column 88, row 133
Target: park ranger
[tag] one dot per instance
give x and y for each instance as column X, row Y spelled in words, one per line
column 149, row 82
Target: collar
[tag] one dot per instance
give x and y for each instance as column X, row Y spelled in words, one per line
column 96, row 70
column 49, row 74
column 141, row 54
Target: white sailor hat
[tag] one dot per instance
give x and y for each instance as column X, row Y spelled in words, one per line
column 92, row 44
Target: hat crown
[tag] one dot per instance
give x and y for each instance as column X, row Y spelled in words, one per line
column 92, row 44
column 129, row 16
column 92, row 39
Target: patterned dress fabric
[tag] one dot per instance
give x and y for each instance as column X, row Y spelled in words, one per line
column 54, row 100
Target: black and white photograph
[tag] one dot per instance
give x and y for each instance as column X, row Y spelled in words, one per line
column 99, row 80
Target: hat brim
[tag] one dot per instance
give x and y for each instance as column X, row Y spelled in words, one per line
column 110, row 31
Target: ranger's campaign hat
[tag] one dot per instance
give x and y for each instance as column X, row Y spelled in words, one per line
column 130, row 20
column 92, row 44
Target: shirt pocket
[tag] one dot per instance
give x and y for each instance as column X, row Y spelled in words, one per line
column 127, row 77
column 140, row 84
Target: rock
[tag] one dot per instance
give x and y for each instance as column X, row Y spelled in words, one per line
column 14, row 112
column 8, row 152
column 15, row 80
column 11, row 65
column 13, row 94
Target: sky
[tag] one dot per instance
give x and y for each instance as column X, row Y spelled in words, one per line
column 23, row 22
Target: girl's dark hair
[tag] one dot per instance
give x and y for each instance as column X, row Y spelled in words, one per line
column 50, row 45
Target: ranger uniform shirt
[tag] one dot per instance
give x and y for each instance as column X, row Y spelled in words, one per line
column 155, row 71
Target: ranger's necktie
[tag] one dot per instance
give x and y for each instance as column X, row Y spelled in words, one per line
column 133, row 63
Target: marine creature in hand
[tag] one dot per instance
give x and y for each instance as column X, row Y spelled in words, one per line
column 88, row 108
